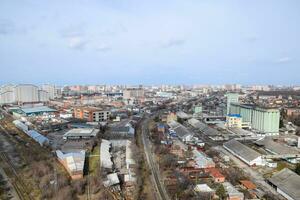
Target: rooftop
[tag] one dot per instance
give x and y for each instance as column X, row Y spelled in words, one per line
column 287, row 181
column 74, row 160
column 82, row 132
column 40, row 109
column 277, row 148
column 242, row 150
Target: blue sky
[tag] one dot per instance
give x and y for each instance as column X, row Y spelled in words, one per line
column 150, row 42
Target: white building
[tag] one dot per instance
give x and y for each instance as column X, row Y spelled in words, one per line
column 52, row 92
column 245, row 153
column 23, row 93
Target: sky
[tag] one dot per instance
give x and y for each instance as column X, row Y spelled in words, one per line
column 150, row 42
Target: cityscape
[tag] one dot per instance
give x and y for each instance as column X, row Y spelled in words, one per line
column 158, row 100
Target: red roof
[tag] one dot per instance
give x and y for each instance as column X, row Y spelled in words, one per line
column 215, row 173
column 248, row 184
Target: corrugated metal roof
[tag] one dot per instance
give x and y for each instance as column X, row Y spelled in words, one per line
column 287, row 181
column 242, row 150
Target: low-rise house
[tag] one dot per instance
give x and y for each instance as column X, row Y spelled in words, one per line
column 216, row 174
column 248, row 185
column 232, row 192
column 203, row 188
column 202, row 161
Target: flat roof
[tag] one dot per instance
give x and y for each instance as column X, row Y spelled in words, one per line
column 39, row 109
column 81, row 132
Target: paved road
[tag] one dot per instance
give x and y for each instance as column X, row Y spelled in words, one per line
column 162, row 193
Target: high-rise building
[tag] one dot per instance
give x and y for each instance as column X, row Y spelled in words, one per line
column 231, row 98
column 23, row 93
column 52, row 92
column 133, row 93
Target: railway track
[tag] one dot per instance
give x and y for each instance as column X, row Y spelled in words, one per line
column 15, row 180
column 162, row 194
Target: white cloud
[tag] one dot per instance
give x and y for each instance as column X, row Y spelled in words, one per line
column 284, row 60
column 103, row 48
column 173, row 43
column 77, row 42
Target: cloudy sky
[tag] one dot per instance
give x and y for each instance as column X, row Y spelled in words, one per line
column 150, row 42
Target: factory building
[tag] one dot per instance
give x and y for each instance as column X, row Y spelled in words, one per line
column 286, row 183
column 91, row 114
column 263, row 120
column 81, row 133
column 244, row 153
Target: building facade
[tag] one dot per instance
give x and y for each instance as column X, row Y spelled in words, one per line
column 263, row 120
column 91, row 114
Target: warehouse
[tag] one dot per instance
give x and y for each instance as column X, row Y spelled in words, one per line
column 286, row 183
column 81, row 133
column 42, row 140
column 37, row 111
column 278, row 150
column 245, row 153
column 181, row 132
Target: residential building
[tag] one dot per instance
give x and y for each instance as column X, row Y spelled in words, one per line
column 91, row 114
column 232, row 192
column 231, row 98
column 234, row 121
column 133, row 93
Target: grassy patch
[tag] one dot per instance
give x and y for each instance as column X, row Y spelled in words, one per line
column 94, row 161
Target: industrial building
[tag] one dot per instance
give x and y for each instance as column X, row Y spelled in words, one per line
column 40, row 110
column 123, row 130
column 263, row 120
column 73, row 162
column 181, row 132
column 91, row 114
column 279, row 150
column 81, row 133
column 286, row 183
column 245, row 153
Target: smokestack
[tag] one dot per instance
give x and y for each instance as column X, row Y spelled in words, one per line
column 298, row 142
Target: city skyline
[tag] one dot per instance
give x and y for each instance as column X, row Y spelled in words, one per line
column 134, row 42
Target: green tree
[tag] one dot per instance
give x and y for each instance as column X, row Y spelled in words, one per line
column 221, row 192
